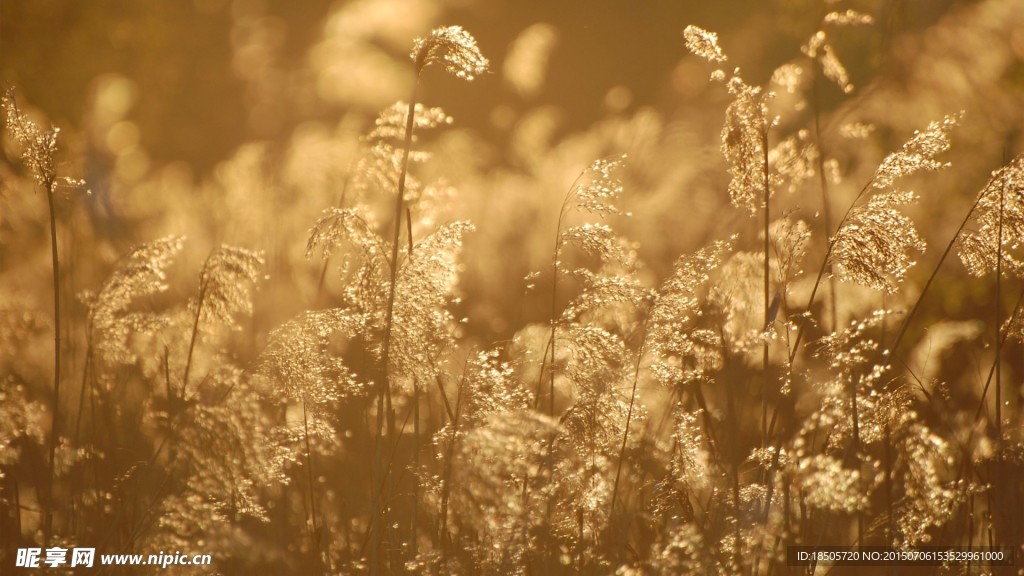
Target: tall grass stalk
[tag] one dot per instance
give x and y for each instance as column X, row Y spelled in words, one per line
column 767, row 287
column 49, row 180
column 625, row 432
column 999, row 318
column 311, row 486
column 39, row 154
column 548, row 359
column 892, row 348
column 458, row 51
column 826, row 206
column 195, row 334
column 384, row 389
column 446, row 478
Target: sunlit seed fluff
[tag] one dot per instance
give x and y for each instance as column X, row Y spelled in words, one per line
column 789, row 239
column 594, row 239
column 703, row 43
column 602, row 291
column 828, row 485
column 142, row 272
column 743, row 140
column 346, row 230
column 455, row 48
column 930, row 495
column 489, row 387
column 493, row 461
column 1000, row 207
column 225, row 283
column 299, row 361
column 390, row 123
column 38, row 146
column 793, row 161
column 872, row 248
column 337, row 226
column 1013, row 327
column 738, row 296
column 380, row 163
column 849, row 348
column 917, row 154
column 424, row 328
column 596, row 359
column 230, row 449
column 690, row 461
column 600, row 186
column 682, row 351
column 683, row 550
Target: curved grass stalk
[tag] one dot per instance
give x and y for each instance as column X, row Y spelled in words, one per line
column 552, row 337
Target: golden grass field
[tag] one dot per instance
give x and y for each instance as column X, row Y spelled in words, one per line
column 437, row 287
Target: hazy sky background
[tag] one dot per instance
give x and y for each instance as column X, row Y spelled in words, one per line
column 193, row 102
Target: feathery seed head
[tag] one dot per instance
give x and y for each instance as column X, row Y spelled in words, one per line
column 917, row 154
column 793, row 161
column 390, row 123
column 703, row 43
column 683, row 351
column 743, row 139
column 872, row 248
column 225, row 281
column 453, row 46
column 299, row 360
column 141, row 273
column 789, row 239
column 600, row 186
column 931, row 497
column 1000, row 208
column 39, row 147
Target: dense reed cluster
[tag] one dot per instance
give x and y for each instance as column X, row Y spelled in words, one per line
column 790, row 381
